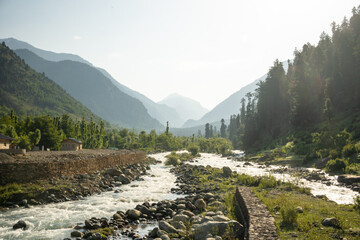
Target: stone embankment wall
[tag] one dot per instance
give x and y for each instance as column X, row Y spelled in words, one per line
column 29, row 171
column 253, row 214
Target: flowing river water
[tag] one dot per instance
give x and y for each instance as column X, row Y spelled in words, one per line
column 55, row 221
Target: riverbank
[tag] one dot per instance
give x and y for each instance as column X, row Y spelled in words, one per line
column 296, row 165
column 70, row 175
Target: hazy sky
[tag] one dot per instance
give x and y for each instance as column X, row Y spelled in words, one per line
column 205, row 50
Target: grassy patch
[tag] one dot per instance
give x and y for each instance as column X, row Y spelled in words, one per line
column 28, row 190
column 307, row 225
column 178, row 158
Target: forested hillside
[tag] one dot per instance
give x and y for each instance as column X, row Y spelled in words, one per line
column 94, row 90
column 314, row 106
column 30, row 93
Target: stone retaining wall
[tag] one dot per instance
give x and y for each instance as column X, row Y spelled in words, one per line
column 23, row 172
column 253, row 214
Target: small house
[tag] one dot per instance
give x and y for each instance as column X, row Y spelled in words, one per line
column 71, row 144
column 5, row 141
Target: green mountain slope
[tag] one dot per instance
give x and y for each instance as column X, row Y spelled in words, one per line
column 30, row 93
column 94, row 90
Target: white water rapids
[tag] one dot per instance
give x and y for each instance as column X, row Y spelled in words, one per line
column 55, row 221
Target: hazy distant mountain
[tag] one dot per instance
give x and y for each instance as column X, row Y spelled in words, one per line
column 47, row 55
column 28, row 92
column 229, row 106
column 187, row 132
column 94, row 90
column 160, row 112
column 187, row 108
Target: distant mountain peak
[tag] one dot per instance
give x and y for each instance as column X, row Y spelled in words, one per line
column 186, row 107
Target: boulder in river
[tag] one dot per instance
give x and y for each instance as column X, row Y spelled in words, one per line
column 348, row 179
column 76, row 234
column 124, row 179
column 134, row 214
column 20, row 224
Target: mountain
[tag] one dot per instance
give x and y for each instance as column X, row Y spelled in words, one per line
column 187, row 132
column 94, row 90
column 160, row 112
column 229, row 106
column 28, row 92
column 187, row 108
column 15, row 44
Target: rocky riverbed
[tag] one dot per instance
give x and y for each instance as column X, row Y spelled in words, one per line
column 202, row 214
column 76, row 187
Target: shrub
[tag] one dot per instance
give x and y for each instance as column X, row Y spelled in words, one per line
column 357, row 147
column 248, row 180
column 172, row 159
column 289, row 147
column 349, row 150
column 333, row 154
column 268, row 182
column 353, row 168
column 185, row 157
column 289, row 216
column 337, row 165
column 301, row 148
column 194, row 150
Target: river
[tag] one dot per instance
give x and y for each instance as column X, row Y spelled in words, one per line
column 55, row 221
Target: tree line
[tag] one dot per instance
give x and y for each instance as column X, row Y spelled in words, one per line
column 48, row 131
column 319, row 92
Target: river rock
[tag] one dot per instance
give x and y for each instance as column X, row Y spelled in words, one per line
column 165, row 237
column 124, row 179
column 167, row 227
column 134, row 214
column 24, row 202
column 220, row 218
column 227, row 172
column 188, row 213
column 330, row 222
column 153, row 233
column 76, row 234
column 178, row 224
column 88, row 235
column 113, row 172
column 314, row 176
column 200, row 204
column 117, row 216
column 219, row 228
column 161, row 233
column 348, row 179
column 20, row 224
column 181, row 218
